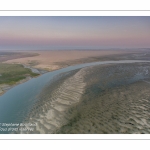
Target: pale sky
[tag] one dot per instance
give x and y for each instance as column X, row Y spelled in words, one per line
column 44, row 33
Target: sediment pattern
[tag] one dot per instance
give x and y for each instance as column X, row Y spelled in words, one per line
column 49, row 112
column 116, row 100
column 120, row 110
column 112, row 98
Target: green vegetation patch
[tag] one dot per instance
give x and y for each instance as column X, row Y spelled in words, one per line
column 12, row 73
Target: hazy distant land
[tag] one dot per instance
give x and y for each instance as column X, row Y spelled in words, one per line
column 56, row 59
column 47, row 61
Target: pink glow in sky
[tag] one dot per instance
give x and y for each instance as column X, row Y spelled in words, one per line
column 82, row 32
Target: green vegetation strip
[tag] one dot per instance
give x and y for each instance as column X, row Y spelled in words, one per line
column 12, row 73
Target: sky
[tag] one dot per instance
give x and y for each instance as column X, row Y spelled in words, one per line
column 72, row 32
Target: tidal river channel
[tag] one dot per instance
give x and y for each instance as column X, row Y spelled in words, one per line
column 17, row 102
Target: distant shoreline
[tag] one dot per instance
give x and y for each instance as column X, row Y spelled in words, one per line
column 46, row 61
column 56, row 59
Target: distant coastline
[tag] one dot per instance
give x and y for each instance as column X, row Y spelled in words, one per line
column 45, row 61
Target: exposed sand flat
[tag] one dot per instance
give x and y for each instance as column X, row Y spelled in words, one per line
column 52, row 60
column 112, row 98
column 49, row 115
column 116, row 100
column 9, row 55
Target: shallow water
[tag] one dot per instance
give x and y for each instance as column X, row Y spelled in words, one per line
column 17, row 102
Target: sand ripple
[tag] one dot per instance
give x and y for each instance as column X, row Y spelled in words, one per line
column 116, row 100
column 49, row 112
column 98, row 99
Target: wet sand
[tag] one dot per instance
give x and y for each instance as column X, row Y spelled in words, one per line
column 49, row 111
column 116, row 100
column 112, row 98
column 9, row 55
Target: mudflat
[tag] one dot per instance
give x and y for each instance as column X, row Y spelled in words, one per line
column 9, row 55
column 112, row 98
column 56, row 59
